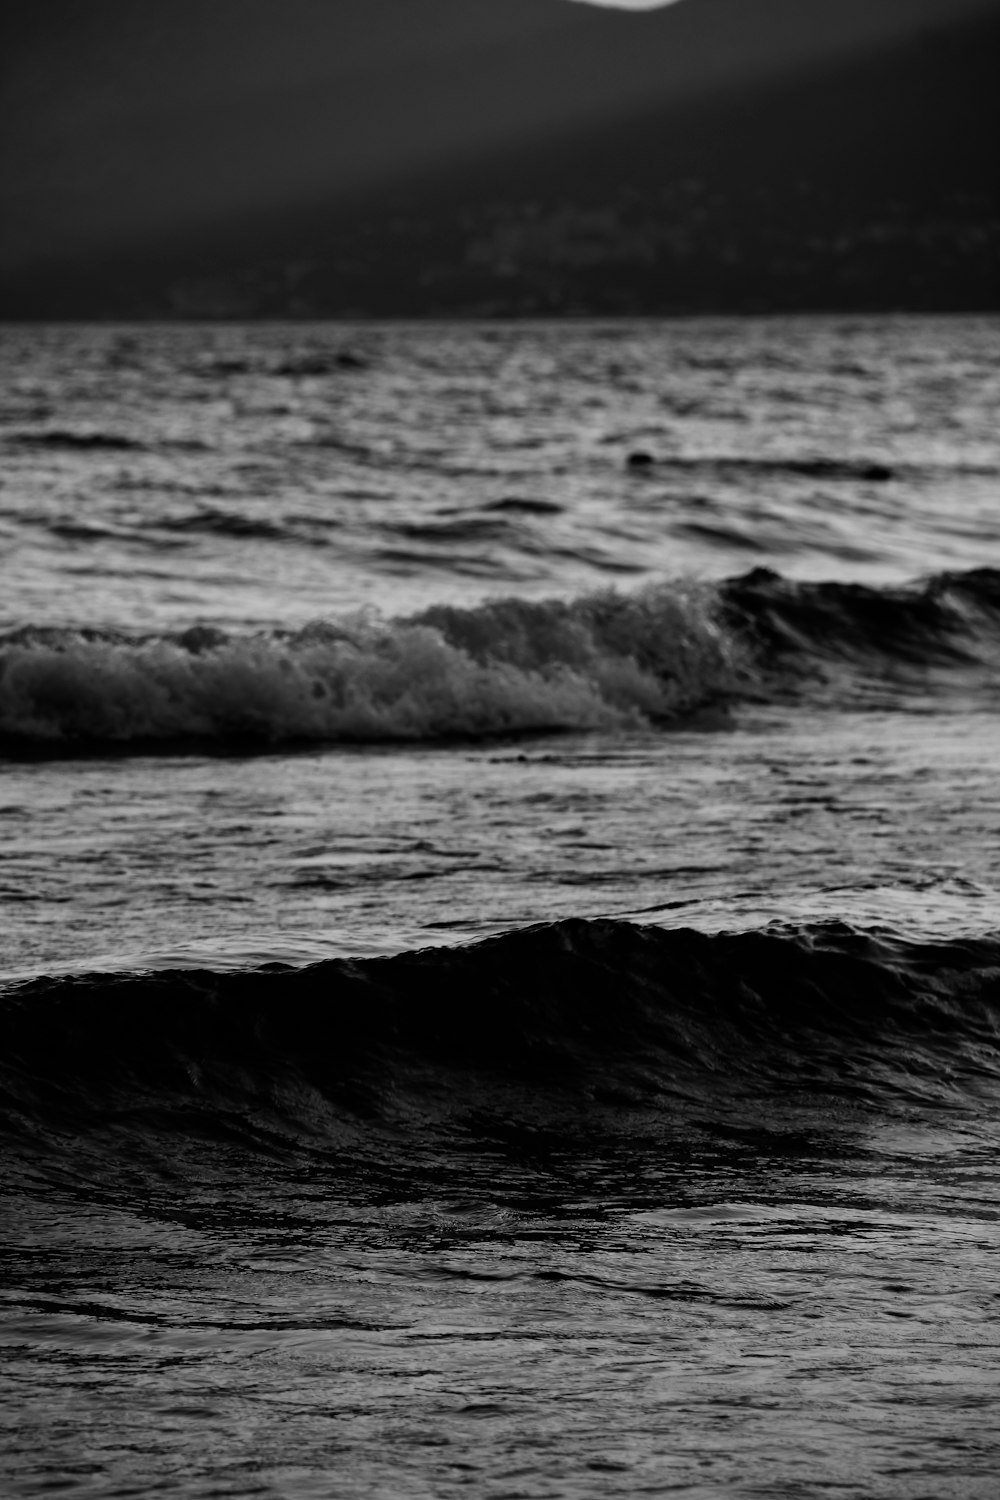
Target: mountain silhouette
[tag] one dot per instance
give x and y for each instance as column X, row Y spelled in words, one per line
column 472, row 157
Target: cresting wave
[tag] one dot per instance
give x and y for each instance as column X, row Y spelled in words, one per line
column 509, row 666
column 950, row 618
column 601, row 1015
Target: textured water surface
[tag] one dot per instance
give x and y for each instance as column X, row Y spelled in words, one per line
column 500, row 948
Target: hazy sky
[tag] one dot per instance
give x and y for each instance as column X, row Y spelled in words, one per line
column 123, row 121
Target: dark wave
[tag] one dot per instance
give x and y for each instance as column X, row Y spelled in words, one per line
column 867, row 470
column 599, row 1016
column 458, row 529
column 320, row 362
column 96, row 442
column 601, row 662
column 949, row 620
column 76, row 441
column 296, row 365
column 214, row 522
column 515, row 505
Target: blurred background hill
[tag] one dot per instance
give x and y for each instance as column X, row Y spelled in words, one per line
column 413, row 158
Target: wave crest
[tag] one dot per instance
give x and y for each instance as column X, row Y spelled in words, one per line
column 507, row 667
column 587, row 1010
column 948, row 618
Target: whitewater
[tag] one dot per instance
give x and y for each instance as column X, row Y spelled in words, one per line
column 500, row 866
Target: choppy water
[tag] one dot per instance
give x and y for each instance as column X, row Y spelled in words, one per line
column 512, row 819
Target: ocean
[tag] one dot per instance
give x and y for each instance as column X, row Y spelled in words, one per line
column 500, row 870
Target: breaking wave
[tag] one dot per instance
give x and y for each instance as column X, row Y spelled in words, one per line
column 507, row 667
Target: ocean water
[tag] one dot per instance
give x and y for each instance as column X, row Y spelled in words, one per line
column 500, row 869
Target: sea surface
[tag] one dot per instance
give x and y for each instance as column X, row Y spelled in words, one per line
column 500, row 893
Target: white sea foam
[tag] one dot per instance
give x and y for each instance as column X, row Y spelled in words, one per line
column 509, row 666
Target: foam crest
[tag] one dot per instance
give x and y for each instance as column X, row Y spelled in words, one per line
column 507, row 667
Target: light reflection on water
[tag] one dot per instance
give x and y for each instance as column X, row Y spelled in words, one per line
column 864, row 817
column 455, row 460
column 785, row 1311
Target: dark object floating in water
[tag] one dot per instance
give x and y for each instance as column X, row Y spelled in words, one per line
column 640, row 460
